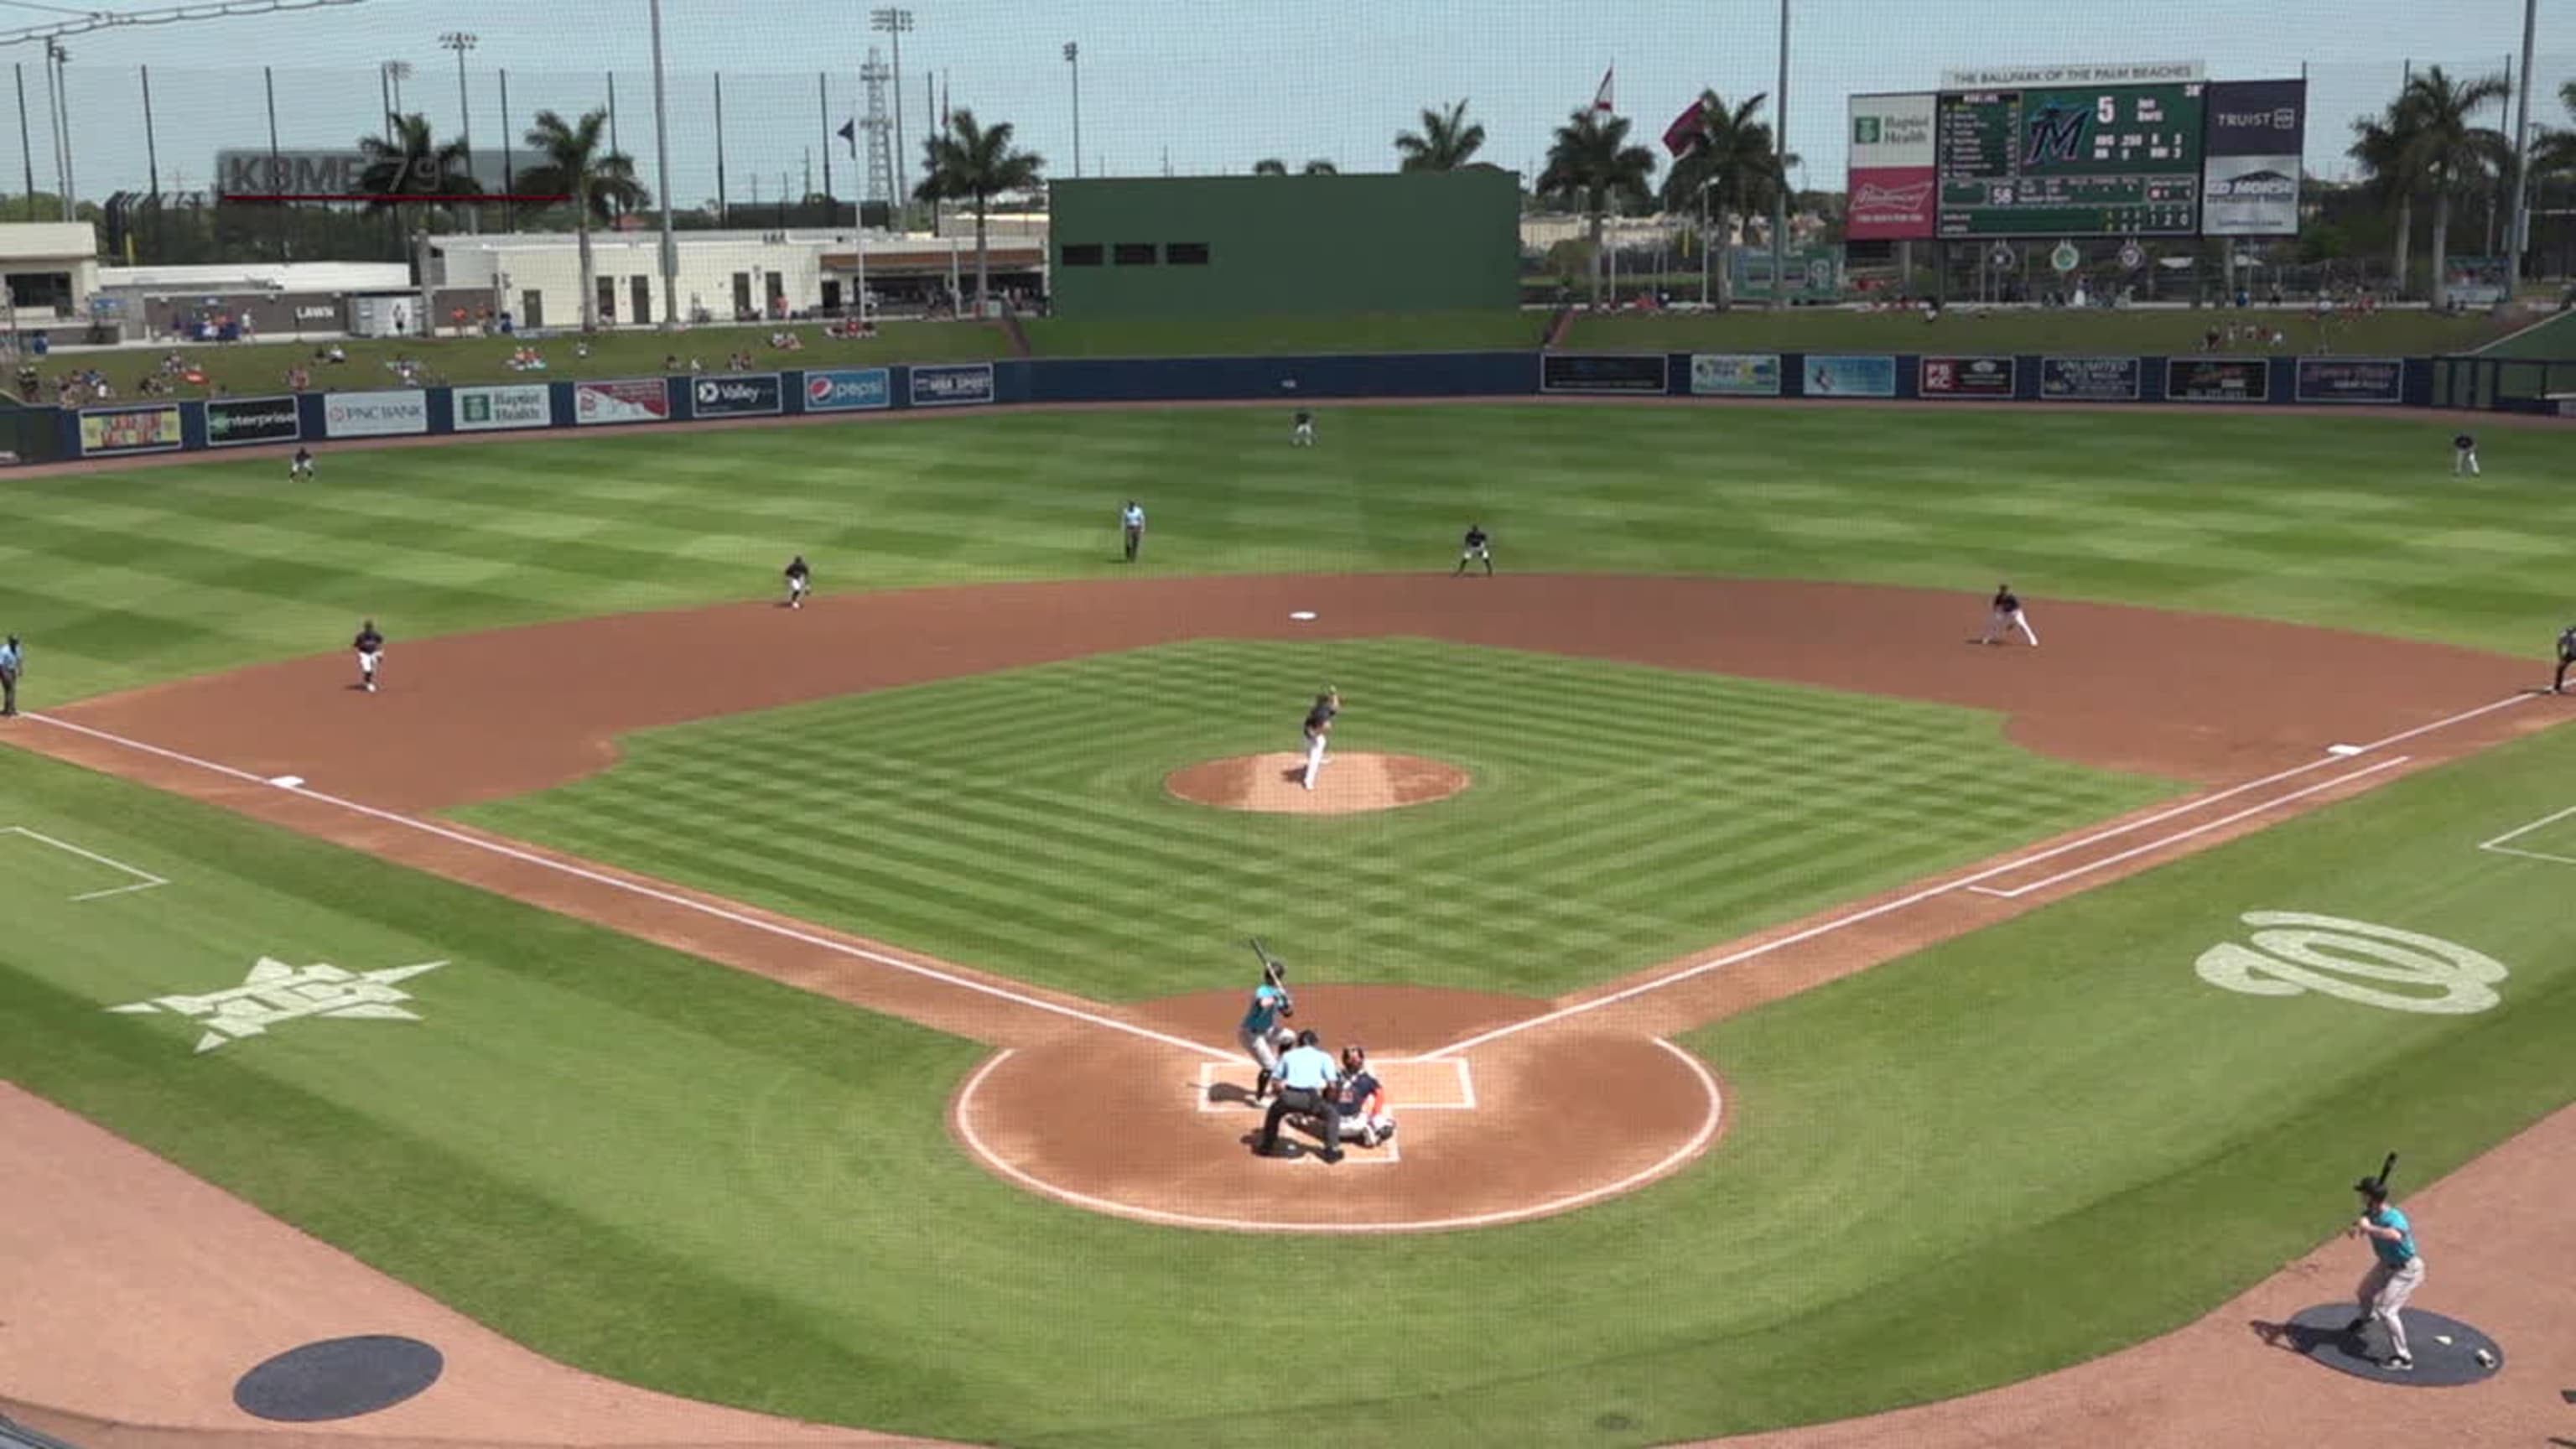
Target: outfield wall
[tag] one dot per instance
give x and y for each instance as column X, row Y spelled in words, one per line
column 2217, row 381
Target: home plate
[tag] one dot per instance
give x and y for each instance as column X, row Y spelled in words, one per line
column 2343, row 749
column 1303, row 615
column 288, row 782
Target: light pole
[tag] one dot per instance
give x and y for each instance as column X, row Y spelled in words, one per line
column 662, row 180
column 2518, row 230
column 462, row 41
column 394, row 72
column 894, row 23
column 1073, row 57
column 58, row 101
column 1780, row 151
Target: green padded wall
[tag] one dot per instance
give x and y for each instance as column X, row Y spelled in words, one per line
column 1425, row 241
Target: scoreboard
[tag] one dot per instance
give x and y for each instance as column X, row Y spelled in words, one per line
column 2070, row 160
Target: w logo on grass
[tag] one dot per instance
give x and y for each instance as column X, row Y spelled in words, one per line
column 2296, row 953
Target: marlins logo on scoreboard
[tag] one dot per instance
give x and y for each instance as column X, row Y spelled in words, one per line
column 2056, row 133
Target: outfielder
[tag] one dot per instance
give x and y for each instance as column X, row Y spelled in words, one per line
column 2464, row 455
column 2006, row 616
column 2566, row 658
column 1302, row 435
column 1319, row 729
column 1261, row 1035
column 301, row 470
column 800, row 581
column 370, row 645
column 2396, row 1275
column 1131, row 527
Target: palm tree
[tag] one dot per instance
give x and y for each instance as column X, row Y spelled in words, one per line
column 1592, row 165
column 2553, row 152
column 597, row 183
column 972, row 162
column 1447, row 141
column 2451, row 152
column 1321, row 167
column 412, row 163
column 2379, row 143
column 1731, row 167
column 1270, row 166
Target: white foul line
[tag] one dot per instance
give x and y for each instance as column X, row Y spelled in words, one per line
column 965, row 1119
column 2017, row 892
column 1917, row 898
column 738, row 918
column 2499, row 846
column 144, row 880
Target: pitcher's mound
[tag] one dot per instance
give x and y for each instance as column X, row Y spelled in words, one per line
column 1347, row 783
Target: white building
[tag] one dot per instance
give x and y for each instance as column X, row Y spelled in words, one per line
column 51, row 268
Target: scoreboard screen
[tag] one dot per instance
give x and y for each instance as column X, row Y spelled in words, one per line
column 2070, row 161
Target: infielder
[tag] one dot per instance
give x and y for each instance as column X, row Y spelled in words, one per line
column 2396, row 1275
column 1319, row 729
column 2006, row 616
column 1476, row 547
column 12, row 656
column 1302, row 434
column 800, row 581
column 1261, row 1034
column 2566, row 657
column 370, row 645
column 2464, row 456
column 301, row 470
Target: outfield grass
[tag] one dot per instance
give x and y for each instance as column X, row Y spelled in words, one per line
column 1964, row 328
column 1999, row 1156
column 1622, row 816
column 256, row 368
column 126, row 578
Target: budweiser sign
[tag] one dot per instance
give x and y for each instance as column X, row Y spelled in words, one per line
column 1890, row 180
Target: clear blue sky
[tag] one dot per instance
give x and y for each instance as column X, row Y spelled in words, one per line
column 1219, row 85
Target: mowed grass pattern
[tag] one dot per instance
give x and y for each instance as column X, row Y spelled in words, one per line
column 1620, row 815
column 125, row 579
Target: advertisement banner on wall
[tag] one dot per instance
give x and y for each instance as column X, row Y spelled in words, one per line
column 2218, row 379
column 375, row 414
column 737, row 395
column 2089, row 379
column 848, row 390
column 2255, row 133
column 947, row 387
column 233, row 422
column 626, row 400
column 1735, row 374
column 1988, row 377
column 491, row 409
column 2351, row 380
column 1630, row 372
column 1850, row 376
column 1889, row 167
column 129, row 430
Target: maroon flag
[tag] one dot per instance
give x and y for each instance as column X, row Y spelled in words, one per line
column 1684, row 130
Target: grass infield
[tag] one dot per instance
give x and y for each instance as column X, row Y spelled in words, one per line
column 1017, row 822
column 1945, row 1173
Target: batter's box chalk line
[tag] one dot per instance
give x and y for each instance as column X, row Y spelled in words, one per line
column 2503, row 844
column 1406, row 1079
column 143, row 880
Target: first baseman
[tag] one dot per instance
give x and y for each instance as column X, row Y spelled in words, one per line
column 800, row 581
column 1319, row 729
column 12, row 655
column 370, row 645
column 2566, row 657
column 2006, row 616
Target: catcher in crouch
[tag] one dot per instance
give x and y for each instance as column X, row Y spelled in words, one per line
column 1360, row 1110
column 1263, row 1034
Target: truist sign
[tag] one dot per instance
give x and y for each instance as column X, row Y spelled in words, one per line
column 1891, row 167
column 2255, row 132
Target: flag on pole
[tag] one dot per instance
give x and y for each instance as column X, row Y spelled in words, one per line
column 1601, row 97
column 1683, row 131
column 849, row 132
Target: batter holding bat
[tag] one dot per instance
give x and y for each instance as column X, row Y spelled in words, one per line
column 2398, row 1272
column 1262, row 1034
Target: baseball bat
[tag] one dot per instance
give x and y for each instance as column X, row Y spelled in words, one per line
column 2385, row 1168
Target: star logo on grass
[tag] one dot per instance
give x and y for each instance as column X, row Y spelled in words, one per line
column 275, row 993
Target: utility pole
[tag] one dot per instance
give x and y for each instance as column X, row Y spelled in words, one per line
column 878, row 124
column 2518, row 230
column 1073, row 58
column 894, row 22
column 662, row 181
column 58, row 109
column 1780, row 151
column 461, row 42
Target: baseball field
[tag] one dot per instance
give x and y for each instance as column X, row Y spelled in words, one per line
column 1797, row 1011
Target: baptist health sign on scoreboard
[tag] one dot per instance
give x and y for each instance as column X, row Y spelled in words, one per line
column 1892, row 167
